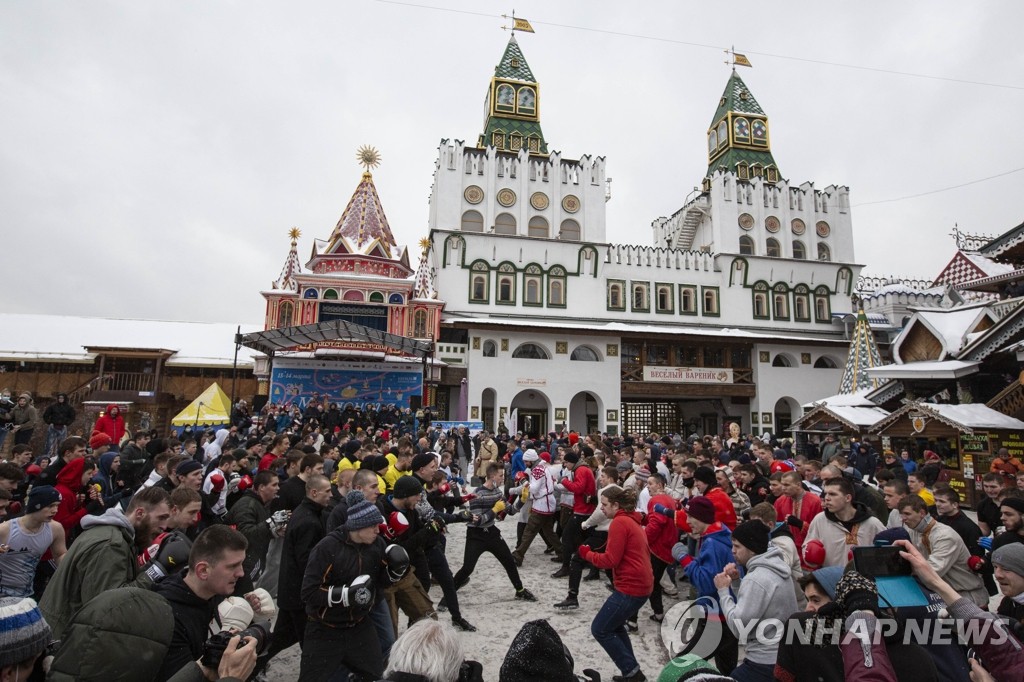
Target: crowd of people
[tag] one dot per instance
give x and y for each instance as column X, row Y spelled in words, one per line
column 206, row 554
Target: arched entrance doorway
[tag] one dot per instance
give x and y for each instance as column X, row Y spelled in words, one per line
column 786, row 411
column 533, row 410
column 584, row 412
column 487, row 409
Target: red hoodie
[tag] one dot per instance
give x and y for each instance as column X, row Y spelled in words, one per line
column 582, row 485
column 725, row 511
column 661, row 531
column 112, row 425
column 69, row 483
column 627, row 555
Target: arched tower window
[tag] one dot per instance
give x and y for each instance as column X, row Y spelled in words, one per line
column 530, row 351
column 419, row 325
column 584, row 354
column 472, row 221
column 490, row 349
column 746, row 245
column 772, row 248
column 538, row 227
column 824, row 253
column 570, row 230
column 285, row 314
column 505, row 224
column 799, row 250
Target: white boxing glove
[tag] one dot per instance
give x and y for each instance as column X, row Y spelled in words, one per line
column 235, row 614
column 266, row 608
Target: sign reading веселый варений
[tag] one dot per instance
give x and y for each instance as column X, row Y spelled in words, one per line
column 688, row 375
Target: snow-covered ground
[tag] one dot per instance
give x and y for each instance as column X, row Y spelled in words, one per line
column 489, row 603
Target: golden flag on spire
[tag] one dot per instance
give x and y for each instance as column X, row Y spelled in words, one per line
column 740, row 60
column 521, row 25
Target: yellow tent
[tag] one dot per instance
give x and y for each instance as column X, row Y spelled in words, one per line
column 211, row 407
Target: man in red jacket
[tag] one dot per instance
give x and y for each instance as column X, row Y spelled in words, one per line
column 797, row 507
column 583, row 487
column 707, row 485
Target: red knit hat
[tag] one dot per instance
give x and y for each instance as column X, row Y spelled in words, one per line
column 702, row 509
column 98, row 440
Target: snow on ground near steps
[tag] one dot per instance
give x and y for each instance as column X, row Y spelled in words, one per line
column 489, row 603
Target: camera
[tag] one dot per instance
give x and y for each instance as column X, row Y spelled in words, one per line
column 213, row 648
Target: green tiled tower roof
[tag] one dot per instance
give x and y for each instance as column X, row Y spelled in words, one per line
column 863, row 356
column 733, row 150
column 513, row 122
column 513, row 63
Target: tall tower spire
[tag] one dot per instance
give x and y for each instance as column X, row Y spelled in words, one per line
column 512, row 106
column 286, row 280
column 863, row 355
column 738, row 139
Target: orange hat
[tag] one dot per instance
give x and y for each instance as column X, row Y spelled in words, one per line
column 99, row 440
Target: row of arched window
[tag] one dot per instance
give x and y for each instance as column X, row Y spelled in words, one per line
column 538, row 288
column 785, row 360
column 782, row 303
column 535, row 351
column 664, row 298
column 354, row 295
column 420, row 320
column 505, row 223
column 773, row 248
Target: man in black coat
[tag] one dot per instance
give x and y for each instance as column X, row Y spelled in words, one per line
column 293, row 489
column 305, row 530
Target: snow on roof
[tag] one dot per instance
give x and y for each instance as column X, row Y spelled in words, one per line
column 976, row 415
column 859, row 415
column 856, row 399
column 951, row 325
column 990, row 267
column 51, row 337
column 934, row 369
column 633, row 329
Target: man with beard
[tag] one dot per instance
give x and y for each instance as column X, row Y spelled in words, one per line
column 843, row 525
column 25, row 540
column 103, row 557
column 1011, row 513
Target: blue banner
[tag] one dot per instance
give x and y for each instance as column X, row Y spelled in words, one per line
column 362, row 385
column 474, row 427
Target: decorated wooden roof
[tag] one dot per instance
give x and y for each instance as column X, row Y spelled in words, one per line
column 363, row 228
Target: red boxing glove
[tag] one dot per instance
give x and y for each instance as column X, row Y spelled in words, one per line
column 814, row 554
column 216, row 483
column 33, row 470
column 396, row 525
column 686, row 561
column 521, row 476
column 583, row 551
column 245, row 483
column 14, row 508
column 443, row 488
column 975, row 563
column 467, row 498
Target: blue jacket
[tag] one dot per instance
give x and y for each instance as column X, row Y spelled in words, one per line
column 714, row 553
column 517, row 462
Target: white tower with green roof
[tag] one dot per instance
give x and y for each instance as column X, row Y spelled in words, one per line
column 510, row 183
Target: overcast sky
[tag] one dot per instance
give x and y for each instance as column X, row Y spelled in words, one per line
column 156, row 154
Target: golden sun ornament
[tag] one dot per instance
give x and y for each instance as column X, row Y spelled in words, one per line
column 424, row 243
column 368, row 157
column 294, row 233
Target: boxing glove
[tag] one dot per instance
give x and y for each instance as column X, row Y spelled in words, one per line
column 396, row 524
column 975, row 563
column 444, row 488
column 520, row 476
column 262, row 604
column 679, row 550
column 985, row 543
column 397, row 561
column 216, row 483
column 795, row 521
column 235, row 613
column 358, row 594
column 244, row 483
column 171, row 555
column 33, row 470
column 814, row 554
column 665, row 511
column 498, row 507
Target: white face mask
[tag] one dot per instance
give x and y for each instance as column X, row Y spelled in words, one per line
column 1019, row 599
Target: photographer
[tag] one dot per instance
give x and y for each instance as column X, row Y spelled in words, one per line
column 1001, row 653
column 214, row 566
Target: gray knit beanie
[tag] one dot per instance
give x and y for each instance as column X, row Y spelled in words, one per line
column 23, row 632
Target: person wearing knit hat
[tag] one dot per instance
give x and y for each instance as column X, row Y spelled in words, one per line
column 340, row 588
column 1008, row 565
column 713, row 555
column 536, row 653
column 706, row 483
column 407, row 486
column 530, row 456
column 422, row 460
column 190, row 474
column 99, row 443
column 24, row 635
column 766, row 592
column 27, row 539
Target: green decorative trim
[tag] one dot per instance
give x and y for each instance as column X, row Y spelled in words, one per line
column 780, row 289
column 579, row 257
column 802, row 291
column 760, row 288
column 849, row 280
column 718, row 302
column 462, row 250
column 822, row 293
column 632, row 297
column 733, row 270
column 485, row 271
column 671, row 310
column 497, row 288
column 622, row 295
column 696, row 299
column 565, row 291
column 540, row 290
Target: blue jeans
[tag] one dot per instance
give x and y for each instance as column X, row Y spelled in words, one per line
column 749, row 671
column 609, row 629
column 54, row 435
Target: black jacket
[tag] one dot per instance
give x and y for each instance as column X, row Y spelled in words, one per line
column 305, row 530
column 291, row 493
column 337, row 561
column 758, row 490
column 192, row 616
column 249, row 516
column 59, row 413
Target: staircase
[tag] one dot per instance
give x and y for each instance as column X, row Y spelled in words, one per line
column 1010, row 401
